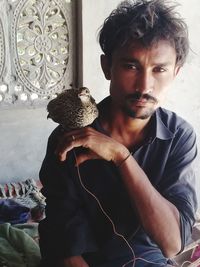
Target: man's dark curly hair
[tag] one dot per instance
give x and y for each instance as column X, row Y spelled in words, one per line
column 148, row 21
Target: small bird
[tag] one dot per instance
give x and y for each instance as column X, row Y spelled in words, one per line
column 73, row 108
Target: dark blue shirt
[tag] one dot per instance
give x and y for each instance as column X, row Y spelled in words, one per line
column 75, row 224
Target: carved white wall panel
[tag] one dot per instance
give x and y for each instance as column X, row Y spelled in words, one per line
column 3, row 88
column 39, row 51
column 2, row 49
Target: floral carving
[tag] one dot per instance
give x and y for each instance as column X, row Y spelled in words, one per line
column 41, row 42
column 2, row 49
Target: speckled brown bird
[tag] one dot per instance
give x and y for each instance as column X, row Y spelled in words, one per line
column 73, row 108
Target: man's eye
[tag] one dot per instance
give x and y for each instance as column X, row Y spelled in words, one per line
column 159, row 69
column 131, row 66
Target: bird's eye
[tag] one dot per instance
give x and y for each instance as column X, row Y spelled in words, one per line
column 85, row 90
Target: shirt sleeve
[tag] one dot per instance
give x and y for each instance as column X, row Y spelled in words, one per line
column 65, row 231
column 178, row 185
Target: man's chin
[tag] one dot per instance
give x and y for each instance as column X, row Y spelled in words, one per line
column 139, row 114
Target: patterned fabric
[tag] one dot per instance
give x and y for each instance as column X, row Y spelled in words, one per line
column 26, row 194
column 12, row 212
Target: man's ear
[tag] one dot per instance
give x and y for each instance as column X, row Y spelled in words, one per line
column 106, row 66
column 176, row 70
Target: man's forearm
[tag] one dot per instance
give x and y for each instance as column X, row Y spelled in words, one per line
column 159, row 217
column 75, row 261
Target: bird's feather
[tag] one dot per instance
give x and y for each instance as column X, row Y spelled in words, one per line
column 73, row 108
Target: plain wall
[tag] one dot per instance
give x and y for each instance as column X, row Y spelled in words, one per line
column 23, row 138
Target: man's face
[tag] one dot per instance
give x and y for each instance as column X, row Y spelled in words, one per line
column 140, row 77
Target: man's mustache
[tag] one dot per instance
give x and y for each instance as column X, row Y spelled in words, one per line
column 140, row 96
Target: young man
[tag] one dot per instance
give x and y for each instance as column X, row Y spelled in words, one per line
column 136, row 158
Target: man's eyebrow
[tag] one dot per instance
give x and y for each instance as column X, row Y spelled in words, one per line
column 136, row 61
column 162, row 64
column 128, row 60
column 133, row 60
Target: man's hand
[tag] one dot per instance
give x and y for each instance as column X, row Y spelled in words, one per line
column 98, row 146
column 75, row 261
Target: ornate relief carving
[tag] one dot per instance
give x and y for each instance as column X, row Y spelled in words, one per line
column 36, row 45
column 2, row 49
column 41, row 46
column 3, row 87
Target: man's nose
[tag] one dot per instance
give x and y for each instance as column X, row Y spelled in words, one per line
column 145, row 82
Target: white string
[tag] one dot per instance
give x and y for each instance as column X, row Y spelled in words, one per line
column 196, row 263
column 185, row 263
column 192, row 264
column 112, row 223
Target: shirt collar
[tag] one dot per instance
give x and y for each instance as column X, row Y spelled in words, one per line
column 160, row 130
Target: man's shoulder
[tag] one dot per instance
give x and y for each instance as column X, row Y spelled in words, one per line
column 53, row 137
column 173, row 121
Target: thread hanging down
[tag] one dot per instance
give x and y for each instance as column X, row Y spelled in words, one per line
column 133, row 261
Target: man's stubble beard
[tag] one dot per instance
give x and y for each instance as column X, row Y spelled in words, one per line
column 133, row 114
column 146, row 112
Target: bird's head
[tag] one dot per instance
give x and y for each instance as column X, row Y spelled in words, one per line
column 84, row 94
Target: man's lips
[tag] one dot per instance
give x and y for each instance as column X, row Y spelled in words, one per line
column 141, row 99
column 140, row 102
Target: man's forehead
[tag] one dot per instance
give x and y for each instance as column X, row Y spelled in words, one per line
column 160, row 49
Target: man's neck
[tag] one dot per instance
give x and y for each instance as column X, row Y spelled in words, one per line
column 129, row 131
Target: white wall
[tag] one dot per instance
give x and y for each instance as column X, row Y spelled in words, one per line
column 184, row 98
column 23, row 137
column 94, row 13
